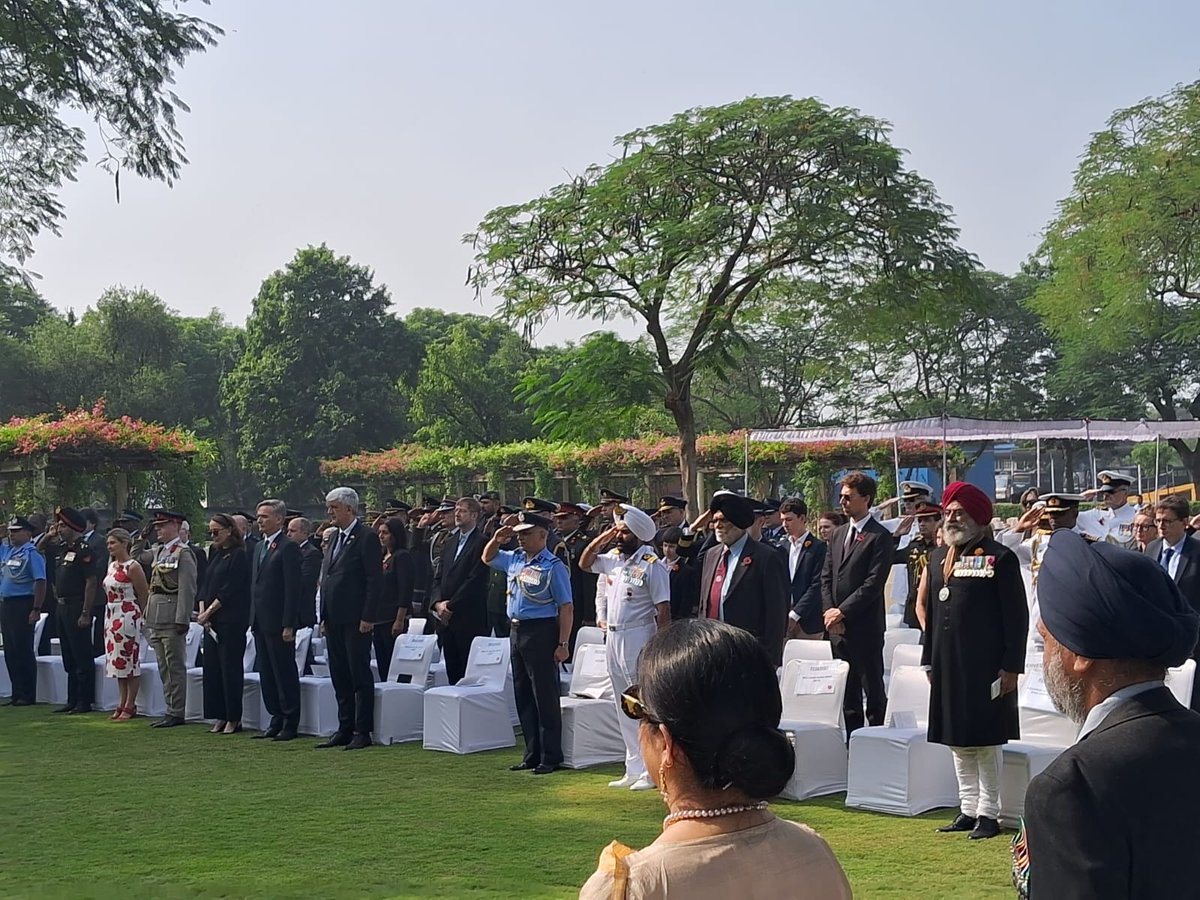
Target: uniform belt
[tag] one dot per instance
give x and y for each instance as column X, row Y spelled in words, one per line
column 519, row 622
column 627, row 626
column 17, row 597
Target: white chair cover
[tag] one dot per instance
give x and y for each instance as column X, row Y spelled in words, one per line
column 38, row 627
column 1180, row 681
column 474, row 714
column 895, row 769
column 797, row 649
column 400, row 707
column 51, row 680
column 906, row 655
column 318, row 706
column 589, row 634
column 892, row 638
column 191, row 650
column 303, row 639
column 591, row 731
column 251, row 654
column 193, row 703
column 108, row 692
column 812, row 692
column 5, row 681
column 150, row 700
column 894, row 620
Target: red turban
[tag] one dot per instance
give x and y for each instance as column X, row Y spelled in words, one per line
column 976, row 503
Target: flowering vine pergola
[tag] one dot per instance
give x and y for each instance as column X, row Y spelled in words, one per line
column 85, row 442
column 568, row 471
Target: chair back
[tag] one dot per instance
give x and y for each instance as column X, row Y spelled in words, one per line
column 303, row 639
column 813, row 690
column 589, row 675
column 191, row 649
column 798, row 649
column 906, row 655
column 487, row 663
column 1041, row 723
column 251, row 653
column 893, row 637
column 38, row 627
column 589, row 634
column 1180, row 680
column 908, row 691
column 416, row 626
column 412, row 655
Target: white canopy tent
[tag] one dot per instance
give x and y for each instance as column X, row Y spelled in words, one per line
column 955, row 429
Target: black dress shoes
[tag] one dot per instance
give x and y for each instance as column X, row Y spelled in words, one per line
column 82, row 708
column 960, row 823
column 359, row 741
column 984, row 828
column 337, row 739
column 22, row 703
column 269, row 734
column 168, row 722
column 520, row 767
column 66, row 709
column 544, row 769
column 285, row 735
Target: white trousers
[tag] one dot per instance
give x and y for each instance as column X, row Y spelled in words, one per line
column 624, row 649
column 978, row 772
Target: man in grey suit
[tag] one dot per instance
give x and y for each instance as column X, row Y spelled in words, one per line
column 1179, row 554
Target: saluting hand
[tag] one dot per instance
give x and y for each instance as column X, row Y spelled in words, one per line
column 503, row 534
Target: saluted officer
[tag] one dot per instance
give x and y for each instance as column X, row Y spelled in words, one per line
column 636, row 606
column 169, row 610
column 1113, row 520
column 540, row 613
column 554, row 539
column 571, row 519
column 915, row 557
column 77, row 586
column 22, row 593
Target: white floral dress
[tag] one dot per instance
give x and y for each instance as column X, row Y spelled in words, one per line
column 122, row 623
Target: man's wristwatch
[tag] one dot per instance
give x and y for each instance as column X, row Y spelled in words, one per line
column 562, row 643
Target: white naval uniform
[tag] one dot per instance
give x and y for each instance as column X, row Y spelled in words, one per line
column 637, row 585
column 899, row 597
column 1112, row 525
column 1034, row 550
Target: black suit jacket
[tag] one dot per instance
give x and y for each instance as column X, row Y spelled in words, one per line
column 463, row 582
column 1187, row 577
column 853, row 579
column 310, row 576
column 275, row 584
column 1113, row 816
column 757, row 598
column 805, row 585
column 351, row 583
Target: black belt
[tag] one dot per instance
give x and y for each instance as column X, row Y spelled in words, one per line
column 18, row 597
column 518, row 622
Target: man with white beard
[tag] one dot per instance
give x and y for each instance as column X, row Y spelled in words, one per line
column 1113, row 815
column 974, row 649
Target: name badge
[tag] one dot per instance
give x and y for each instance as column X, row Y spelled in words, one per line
column 69, row 557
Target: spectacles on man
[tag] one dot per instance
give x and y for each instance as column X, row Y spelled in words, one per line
column 1144, row 526
column 634, row 708
column 1162, row 522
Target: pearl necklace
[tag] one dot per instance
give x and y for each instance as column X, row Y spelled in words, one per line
column 713, row 813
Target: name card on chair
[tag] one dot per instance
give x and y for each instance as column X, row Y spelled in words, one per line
column 489, row 657
column 1034, row 694
column 410, row 646
column 595, row 666
column 816, row 678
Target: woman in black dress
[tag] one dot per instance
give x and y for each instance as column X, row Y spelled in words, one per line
column 396, row 596
column 225, row 615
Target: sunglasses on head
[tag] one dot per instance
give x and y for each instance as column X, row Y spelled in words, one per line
column 634, row 708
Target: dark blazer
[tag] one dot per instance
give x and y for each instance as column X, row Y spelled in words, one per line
column 275, row 584
column 397, row 585
column 1113, row 816
column 1187, row 577
column 805, row 586
column 310, row 576
column 463, row 582
column 228, row 580
column 853, row 579
column 352, row 583
column 757, row 598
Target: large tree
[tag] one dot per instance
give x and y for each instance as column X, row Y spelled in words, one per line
column 684, row 229
column 114, row 60
column 1123, row 296
column 320, row 373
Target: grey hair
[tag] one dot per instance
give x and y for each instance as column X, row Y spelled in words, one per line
column 345, row 496
column 277, row 507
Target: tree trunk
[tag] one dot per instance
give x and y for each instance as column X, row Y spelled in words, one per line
column 679, row 402
column 1189, row 456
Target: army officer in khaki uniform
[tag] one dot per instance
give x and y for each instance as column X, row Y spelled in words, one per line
column 172, row 567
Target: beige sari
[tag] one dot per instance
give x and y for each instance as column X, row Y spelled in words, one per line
column 774, row 860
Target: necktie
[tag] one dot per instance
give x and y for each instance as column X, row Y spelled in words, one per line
column 262, row 551
column 1166, row 559
column 718, row 582
column 851, row 534
column 337, row 544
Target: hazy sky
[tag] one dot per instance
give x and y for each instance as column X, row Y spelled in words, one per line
column 388, row 129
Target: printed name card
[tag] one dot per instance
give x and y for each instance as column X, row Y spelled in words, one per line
column 595, row 666
column 816, row 678
column 410, row 646
column 489, row 656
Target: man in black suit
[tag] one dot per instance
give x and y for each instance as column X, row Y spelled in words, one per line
column 1179, row 554
column 460, row 589
column 804, row 557
column 743, row 582
column 852, row 582
column 1114, row 815
column 275, row 593
column 299, row 530
column 351, row 583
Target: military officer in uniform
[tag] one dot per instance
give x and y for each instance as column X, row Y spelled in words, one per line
column 571, row 521
column 916, row 555
column 1112, row 521
column 539, row 607
column 79, row 595
column 22, row 594
column 169, row 610
column 636, row 606
column 554, row 540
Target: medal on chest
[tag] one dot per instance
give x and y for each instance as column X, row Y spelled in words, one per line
column 634, row 576
column 944, row 594
column 975, row 567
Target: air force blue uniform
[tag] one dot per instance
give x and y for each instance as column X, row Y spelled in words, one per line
column 21, row 568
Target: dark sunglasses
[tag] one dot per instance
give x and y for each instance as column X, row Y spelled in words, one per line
column 632, row 706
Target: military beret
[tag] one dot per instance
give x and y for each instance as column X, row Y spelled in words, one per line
column 1102, row 601
column 71, row 517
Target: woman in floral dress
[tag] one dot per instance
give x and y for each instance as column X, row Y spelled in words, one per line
column 125, row 591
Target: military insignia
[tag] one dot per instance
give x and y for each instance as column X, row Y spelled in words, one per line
column 649, row 557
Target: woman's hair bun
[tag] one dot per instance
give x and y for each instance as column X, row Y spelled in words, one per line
column 757, row 760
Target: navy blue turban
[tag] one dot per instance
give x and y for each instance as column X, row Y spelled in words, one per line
column 1103, row 602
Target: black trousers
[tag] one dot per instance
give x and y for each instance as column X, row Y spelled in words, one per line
column 348, row 652
column 222, row 669
column 384, row 643
column 456, row 647
column 278, row 678
column 536, row 686
column 865, row 655
column 500, row 622
column 76, row 644
column 50, row 628
column 18, row 647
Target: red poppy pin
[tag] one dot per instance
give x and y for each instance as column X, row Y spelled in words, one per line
column 860, row 539
column 807, row 544
column 747, row 561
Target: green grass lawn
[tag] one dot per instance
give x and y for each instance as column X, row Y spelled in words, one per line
column 93, row 808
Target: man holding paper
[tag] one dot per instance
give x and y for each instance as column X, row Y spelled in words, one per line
column 975, row 636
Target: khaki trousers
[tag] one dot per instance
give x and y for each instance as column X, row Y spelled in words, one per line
column 169, row 649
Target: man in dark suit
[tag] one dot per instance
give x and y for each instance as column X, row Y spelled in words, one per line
column 1178, row 552
column 351, row 583
column 804, row 557
column 299, row 530
column 275, row 593
column 460, row 589
column 743, row 582
column 852, row 582
column 1113, row 816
